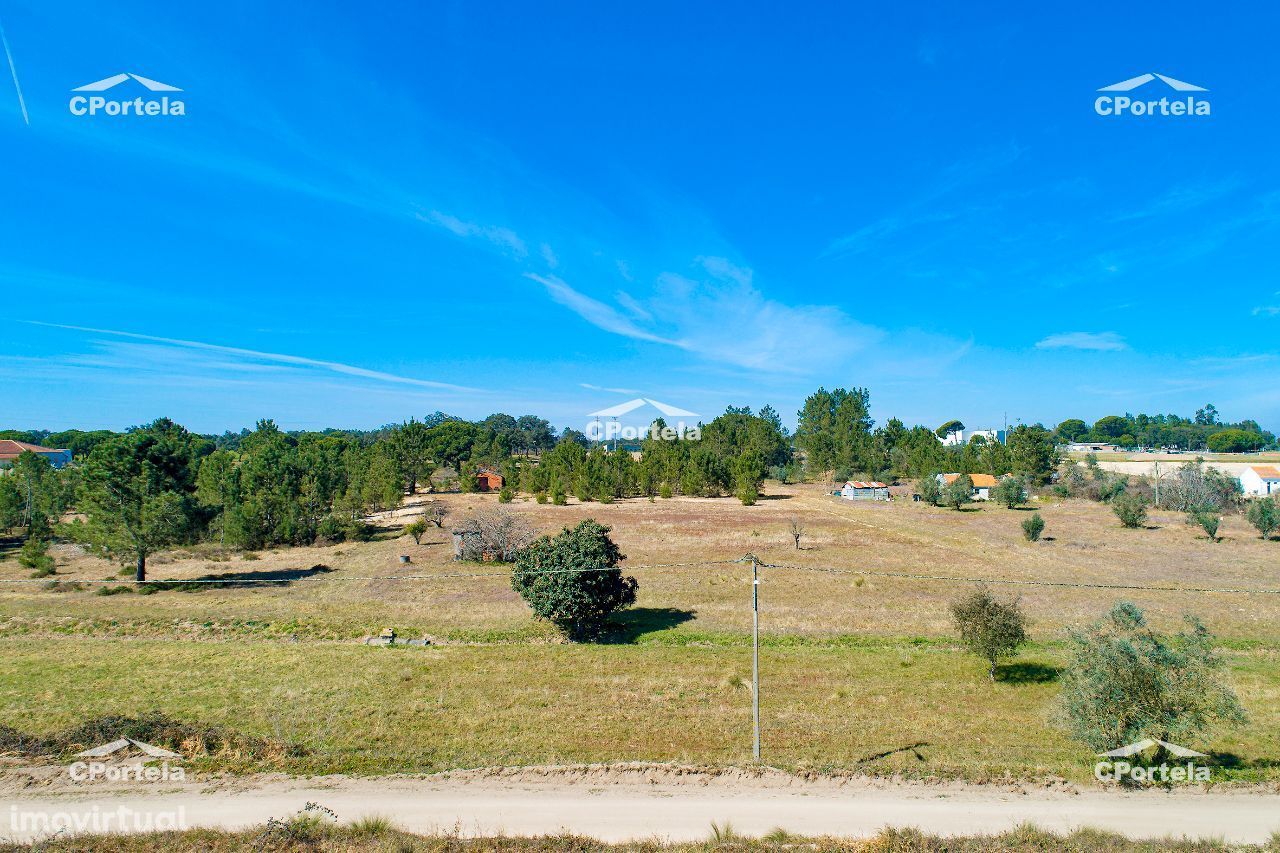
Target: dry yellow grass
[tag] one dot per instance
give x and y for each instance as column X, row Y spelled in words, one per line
column 1084, row 543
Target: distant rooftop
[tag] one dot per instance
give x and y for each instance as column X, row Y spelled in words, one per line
column 10, row 449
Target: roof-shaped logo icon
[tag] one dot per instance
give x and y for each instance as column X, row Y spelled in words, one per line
column 631, row 405
column 1145, row 744
column 1143, row 79
column 125, row 743
column 111, row 82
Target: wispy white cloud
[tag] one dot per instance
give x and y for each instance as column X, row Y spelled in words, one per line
column 1101, row 341
column 13, row 69
column 503, row 238
column 734, row 323
column 725, row 319
column 549, row 255
column 627, row 301
column 596, row 312
column 590, row 387
column 923, row 210
column 724, row 269
column 260, row 356
column 1181, row 199
column 1232, row 362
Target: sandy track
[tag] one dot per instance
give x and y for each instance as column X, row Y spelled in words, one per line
column 641, row 802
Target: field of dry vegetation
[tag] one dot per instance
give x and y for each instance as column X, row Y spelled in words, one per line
column 860, row 670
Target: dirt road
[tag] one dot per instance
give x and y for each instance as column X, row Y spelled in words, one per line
column 642, row 802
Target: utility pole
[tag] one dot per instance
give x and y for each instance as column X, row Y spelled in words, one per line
column 755, row 658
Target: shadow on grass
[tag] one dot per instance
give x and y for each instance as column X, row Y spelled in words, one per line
column 630, row 625
column 262, row 578
column 1027, row 672
column 913, row 748
column 774, row 498
column 1231, row 761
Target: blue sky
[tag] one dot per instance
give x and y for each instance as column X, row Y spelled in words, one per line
column 367, row 215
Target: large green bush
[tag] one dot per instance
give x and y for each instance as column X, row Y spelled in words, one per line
column 1131, row 509
column 572, row 579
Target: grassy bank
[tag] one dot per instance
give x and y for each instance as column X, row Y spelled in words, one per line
column 368, row 836
column 916, row 710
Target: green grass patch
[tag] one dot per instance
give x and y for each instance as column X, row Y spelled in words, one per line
column 919, row 710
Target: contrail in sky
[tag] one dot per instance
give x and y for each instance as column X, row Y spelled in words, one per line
column 13, row 69
column 280, row 358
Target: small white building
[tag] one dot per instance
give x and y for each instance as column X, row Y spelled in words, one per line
column 1258, row 481
column 982, row 484
column 962, row 437
column 1092, row 447
column 856, row 490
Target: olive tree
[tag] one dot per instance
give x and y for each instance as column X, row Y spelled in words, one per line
column 958, row 492
column 1264, row 515
column 1125, row 682
column 1010, row 492
column 929, row 490
column 988, row 627
column 1209, row 522
column 1131, row 509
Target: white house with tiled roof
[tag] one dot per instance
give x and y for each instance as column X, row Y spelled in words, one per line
column 982, row 484
column 1259, row 481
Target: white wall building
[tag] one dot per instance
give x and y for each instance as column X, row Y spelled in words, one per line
column 1092, row 447
column 982, row 484
column 868, row 491
column 1260, row 480
column 964, row 436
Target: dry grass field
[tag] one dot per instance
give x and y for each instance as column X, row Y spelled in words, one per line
column 861, row 673
column 1084, row 543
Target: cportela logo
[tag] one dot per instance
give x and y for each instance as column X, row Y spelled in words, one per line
column 142, row 105
column 1126, row 764
column 1185, row 104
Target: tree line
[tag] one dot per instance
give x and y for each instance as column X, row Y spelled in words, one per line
column 161, row 485
column 1204, row 431
column 835, row 433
